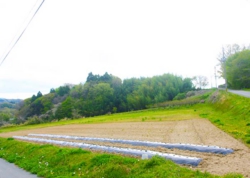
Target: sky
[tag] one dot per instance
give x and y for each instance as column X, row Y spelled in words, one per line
column 67, row 39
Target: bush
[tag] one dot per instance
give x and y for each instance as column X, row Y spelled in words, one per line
column 180, row 96
column 34, row 120
column 248, row 141
column 190, row 93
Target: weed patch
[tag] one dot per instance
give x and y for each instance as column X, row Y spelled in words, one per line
column 203, row 115
column 218, row 122
column 155, row 161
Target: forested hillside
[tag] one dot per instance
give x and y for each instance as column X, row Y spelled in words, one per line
column 101, row 95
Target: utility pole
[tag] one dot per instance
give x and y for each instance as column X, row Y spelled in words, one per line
column 215, row 77
column 211, row 81
column 223, row 60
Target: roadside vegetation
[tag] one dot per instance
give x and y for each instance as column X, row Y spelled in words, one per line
column 52, row 161
column 229, row 112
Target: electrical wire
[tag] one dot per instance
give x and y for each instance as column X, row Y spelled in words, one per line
column 16, row 40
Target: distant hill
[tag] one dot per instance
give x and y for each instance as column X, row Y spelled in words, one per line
column 8, row 110
column 9, row 103
column 14, row 101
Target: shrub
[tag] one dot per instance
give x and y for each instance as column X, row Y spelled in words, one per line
column 34, row 120
column 248, row 141
column 180, row 96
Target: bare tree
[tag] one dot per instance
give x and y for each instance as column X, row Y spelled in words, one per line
column 200, row 81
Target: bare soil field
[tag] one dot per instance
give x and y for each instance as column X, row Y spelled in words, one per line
column 195, row 131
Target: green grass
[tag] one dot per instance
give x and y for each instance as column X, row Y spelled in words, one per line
column 159, row 114
column 231, row 113
column 52, row 161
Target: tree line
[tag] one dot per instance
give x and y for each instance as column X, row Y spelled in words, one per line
column 102, row 95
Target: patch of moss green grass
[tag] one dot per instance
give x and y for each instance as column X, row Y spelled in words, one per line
column 52, row 161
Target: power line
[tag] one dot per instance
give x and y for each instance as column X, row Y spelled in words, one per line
column 16, row 40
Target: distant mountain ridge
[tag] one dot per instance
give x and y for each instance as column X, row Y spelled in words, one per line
column 14, row 101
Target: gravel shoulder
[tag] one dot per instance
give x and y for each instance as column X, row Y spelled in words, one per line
column 195, row 131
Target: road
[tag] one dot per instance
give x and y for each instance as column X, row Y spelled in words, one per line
column 8, row 170
column 240, row 92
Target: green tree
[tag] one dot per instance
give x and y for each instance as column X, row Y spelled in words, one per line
column 33, row 98
column 99, row 99
column 52, row 90
column 63, row 90
column 36, row 108
column 238, row 70
column 65, row 109
column 39, row 94
column 187, row 85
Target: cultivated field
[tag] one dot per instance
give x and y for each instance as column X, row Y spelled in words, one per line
column 194, row 131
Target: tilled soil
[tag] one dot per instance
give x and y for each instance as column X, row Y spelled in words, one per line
column 195, row 131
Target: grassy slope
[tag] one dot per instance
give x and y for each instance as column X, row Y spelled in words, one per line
column 230, row 113
column 52, row 161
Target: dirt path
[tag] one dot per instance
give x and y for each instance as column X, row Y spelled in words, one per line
column 196, row 131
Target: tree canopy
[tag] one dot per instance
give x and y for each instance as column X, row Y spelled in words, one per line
column 238, row 70
column 104, row 94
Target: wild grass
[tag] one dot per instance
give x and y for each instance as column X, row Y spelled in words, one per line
column 51, row 161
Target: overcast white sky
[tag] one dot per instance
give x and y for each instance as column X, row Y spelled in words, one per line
column 67, row 39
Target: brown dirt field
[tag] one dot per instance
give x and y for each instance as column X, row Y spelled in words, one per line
column 195, row 131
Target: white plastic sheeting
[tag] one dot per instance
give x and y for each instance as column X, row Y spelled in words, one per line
column 190, row 147
column 176, row 158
